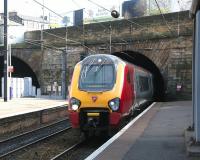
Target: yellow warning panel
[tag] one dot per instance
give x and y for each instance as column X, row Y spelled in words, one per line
column 92, row 114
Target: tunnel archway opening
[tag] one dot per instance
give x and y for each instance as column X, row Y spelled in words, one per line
column 21, row 69
column 144, row 62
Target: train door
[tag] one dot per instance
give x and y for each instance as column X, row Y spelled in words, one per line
column 151, row 89
column 136, row 89
column 129, row 89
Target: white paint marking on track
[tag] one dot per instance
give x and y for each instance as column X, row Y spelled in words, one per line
column 105, row 145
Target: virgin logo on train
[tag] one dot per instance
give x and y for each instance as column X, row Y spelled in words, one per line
column 94, row 98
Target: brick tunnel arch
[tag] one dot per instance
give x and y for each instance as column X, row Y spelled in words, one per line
column 21, row 69
column 143, row 61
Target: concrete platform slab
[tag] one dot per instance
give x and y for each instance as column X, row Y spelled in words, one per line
column 25, row 105
column 192, row 148
column 24, row 114
column 157, row 135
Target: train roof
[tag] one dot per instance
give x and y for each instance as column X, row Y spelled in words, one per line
column 101, row 58
column 107, row 59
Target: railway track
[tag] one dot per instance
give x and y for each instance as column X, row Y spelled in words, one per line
column 67, row 145
column 26, row 139
column 80, row 150
column 83, row 149
column 65, row 152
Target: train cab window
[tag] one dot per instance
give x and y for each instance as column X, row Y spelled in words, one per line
column 143, row 83
column 97, row 77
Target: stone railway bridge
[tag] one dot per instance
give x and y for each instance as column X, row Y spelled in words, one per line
column 146, row 41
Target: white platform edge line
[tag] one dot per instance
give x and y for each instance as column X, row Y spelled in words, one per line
column 105, row 145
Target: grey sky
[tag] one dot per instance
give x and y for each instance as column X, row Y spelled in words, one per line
column 29, row 7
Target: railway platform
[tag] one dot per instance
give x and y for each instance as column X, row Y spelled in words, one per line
column 24, row 114
column 20, row 106
column 157, row 134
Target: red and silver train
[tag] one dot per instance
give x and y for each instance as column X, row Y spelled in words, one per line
column 104, row 90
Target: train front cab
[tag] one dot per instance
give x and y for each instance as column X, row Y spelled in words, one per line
column 99, row 109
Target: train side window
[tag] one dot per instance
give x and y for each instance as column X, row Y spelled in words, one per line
column 144, row 84
column 137, row 82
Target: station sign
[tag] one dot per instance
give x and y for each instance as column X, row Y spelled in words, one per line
column 10, row 69
column 97, row 14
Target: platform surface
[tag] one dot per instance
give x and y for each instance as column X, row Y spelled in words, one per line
column 157, row 135
column 25, row 105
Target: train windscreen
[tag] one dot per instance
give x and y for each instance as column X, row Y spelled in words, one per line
column 97, row 77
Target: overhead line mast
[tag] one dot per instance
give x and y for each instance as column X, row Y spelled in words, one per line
column 5, row 50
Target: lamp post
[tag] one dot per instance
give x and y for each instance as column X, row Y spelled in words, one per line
column 10, row 70
column 64, row 92
column 5, row 51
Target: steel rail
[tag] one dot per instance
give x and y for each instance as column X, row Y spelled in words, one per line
column 58, row 156
column 28, row 134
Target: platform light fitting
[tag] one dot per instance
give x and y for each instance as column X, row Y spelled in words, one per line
column 115, row 14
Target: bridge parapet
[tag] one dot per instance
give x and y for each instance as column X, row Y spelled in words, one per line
column 143, row 28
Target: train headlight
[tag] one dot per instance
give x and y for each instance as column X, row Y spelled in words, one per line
column 74, row 103
column 114, row 104
column 74, row 107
